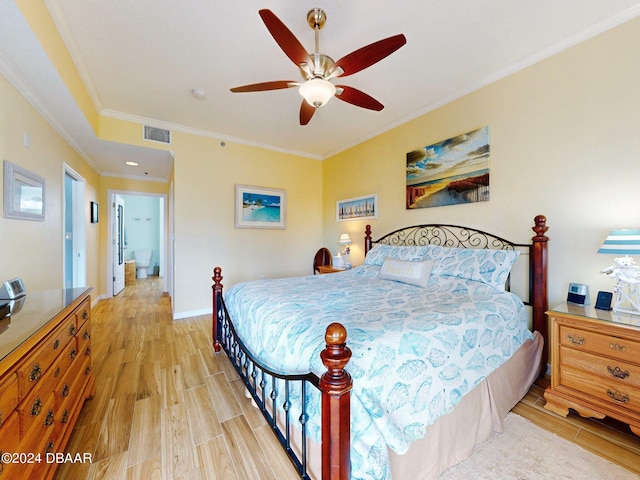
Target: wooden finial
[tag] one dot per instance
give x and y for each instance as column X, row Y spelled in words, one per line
column 540, row 228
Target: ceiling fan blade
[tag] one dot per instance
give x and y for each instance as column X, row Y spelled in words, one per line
column 366, row 56
column 306, row 112
column 260, row 87
column 358, row 98
column 283, row 37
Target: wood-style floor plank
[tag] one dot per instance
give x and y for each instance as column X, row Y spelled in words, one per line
column 168, row 407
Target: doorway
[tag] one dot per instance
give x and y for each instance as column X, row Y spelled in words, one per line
column 140, row 213
column 74, row 241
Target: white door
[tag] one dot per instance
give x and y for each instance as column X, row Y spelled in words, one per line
column 118, row 244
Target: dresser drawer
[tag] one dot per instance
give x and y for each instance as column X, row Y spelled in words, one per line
column 9, row 438
column 609, row 345
column 9, row 396
column 83, row 313
column 37, row 410
column 45, row 353
column 607, row 368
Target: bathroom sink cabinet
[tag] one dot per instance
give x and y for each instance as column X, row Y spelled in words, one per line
column 129, row 273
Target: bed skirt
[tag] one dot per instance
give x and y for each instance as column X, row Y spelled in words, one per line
column 451, row 438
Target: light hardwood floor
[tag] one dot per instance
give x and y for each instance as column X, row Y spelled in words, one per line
column 167, row 407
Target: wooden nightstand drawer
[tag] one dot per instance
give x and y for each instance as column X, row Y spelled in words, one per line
column 608, row 369
column 600, row 344
column 614, row 395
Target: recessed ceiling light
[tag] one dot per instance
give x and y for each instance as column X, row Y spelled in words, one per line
column 199, row 94
column 132, row 164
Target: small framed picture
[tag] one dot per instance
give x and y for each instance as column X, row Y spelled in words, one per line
column 94, row 212
column 357, row 208
column 259, row 207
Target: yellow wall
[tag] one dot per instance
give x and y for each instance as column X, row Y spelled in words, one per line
column 564, row 143
column 32, row 250
column 204, row 194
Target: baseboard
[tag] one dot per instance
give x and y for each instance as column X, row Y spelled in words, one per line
column 192, row 313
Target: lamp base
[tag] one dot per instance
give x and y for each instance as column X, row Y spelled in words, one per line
column 627, row 298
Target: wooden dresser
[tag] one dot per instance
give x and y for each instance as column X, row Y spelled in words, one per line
column 45, row 377
column 595, row 364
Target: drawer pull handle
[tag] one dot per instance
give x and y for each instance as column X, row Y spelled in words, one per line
column 617, row 347
column 618, row 372
column 56, row 344
column 85, row 315
column 87, row 370
column 48, row 421
column 1, row 462
column 50, row 446
column 87, row 352
column 1, row 415
column 57, row 372
column 72, row 330
column 72, row 354
column 87, row 335
column 36, row 373
column 576, row 340
column 36, row 408
column 65, row 391
column 618, row 397
column 65, row 416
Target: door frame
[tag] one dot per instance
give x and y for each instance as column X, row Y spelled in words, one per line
column 79, row 238
column 168, row 271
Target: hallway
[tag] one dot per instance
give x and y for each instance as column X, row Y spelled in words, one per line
column 153, row 414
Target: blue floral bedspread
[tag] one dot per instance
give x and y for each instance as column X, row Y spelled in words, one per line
column 416, row 351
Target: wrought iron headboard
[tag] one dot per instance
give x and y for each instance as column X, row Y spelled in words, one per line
column 455, row 236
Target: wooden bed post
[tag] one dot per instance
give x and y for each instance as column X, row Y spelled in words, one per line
column 367, row 239
column 335, row 385
column 538, row 282
column 217, row 294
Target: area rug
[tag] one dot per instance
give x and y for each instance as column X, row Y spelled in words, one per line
column 527, row 452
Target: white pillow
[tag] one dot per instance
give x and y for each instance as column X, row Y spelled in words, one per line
column 413, row 273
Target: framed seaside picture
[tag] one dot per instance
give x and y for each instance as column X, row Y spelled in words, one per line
column 357, row 208
column 258, row 207
column 450, row 172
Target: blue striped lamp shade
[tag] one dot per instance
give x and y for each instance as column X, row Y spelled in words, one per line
column 625, row 241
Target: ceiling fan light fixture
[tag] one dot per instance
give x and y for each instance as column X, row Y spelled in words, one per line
column 317, row 91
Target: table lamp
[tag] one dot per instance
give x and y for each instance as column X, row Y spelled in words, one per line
column 345, row 239
column 625, row 242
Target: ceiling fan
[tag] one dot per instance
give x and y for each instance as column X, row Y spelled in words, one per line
column 318, row 69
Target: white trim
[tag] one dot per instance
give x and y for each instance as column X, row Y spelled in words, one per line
column 192, row 313
column 79, row 237
column 167, row 278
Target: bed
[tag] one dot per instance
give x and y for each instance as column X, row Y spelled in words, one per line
column 396, row 368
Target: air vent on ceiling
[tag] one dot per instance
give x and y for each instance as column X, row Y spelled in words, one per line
column 156, row 134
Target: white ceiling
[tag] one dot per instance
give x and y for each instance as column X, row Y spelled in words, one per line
column 140, row 60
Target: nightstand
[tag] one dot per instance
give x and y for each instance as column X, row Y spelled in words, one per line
column 595, row 364
column 329, row 269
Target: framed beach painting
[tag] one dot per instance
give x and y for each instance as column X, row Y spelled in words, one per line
column 449, row 172
column 357, row 208
column 23, row 193
column 258, row 207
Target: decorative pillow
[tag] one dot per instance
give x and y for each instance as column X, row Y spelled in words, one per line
column 481, row 265
column 379, row 252
column 413, row 273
